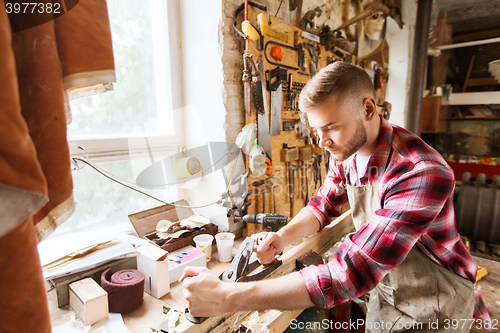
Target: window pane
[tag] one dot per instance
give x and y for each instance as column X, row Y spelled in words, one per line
column 102, row 203
column 134, row 106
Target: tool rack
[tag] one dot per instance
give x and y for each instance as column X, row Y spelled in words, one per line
column 279, row 200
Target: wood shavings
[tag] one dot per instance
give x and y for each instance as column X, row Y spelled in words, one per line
column 259, row 321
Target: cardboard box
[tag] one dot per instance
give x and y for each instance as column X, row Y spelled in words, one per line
column 145, row 224
column 182, row 258
column 153, row 263
column 89, row 301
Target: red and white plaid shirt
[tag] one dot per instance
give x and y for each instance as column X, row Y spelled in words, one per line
column 416, row 188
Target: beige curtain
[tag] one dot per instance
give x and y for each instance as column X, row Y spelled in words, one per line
column 40, row 66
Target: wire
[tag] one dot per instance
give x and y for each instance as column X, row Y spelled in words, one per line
column 276, row 15
column 137, row 190
column 157, row 185
column 122, row 181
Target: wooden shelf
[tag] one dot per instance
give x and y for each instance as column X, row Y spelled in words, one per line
column 473, row 118
column 475, row 98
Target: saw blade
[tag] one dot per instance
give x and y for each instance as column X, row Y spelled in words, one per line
column 276, row 97
column 263, row 119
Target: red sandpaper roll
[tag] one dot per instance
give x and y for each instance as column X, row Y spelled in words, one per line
column 125, row 289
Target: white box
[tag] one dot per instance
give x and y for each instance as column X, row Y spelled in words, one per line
column 182, row 258
column 153, row 263
column 88, row 300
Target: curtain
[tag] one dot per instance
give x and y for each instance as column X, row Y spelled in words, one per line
column 42, row 66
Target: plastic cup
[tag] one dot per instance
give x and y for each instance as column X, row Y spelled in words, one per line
column 225, row 242
column 204, row 243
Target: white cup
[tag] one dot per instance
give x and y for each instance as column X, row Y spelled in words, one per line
column 225, row 242
column 204, row 243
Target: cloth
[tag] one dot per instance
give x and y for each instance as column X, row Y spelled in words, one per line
column 416, row 199
column 125, row 289
column 35, row 172
column 419, row 295
column 23, row 296
column 416, row 295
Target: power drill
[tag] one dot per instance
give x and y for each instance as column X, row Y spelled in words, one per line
column 270, row 222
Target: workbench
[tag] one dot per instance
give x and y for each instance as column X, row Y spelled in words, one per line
column 150, row 314
column 488, row 287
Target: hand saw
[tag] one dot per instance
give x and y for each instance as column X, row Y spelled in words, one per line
column 276, row 97
column 239, row 271
column 262, row 117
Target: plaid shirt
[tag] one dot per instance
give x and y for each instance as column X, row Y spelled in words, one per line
column 416, row 195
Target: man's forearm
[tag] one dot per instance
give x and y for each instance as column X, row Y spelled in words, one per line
column 285, row 293
column 302, row 225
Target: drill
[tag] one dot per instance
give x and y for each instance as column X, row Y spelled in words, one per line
column 270, row 222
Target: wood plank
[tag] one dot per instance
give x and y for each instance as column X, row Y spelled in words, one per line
column 477, row 35
column 488, row 287
column 319, row 243
column 473, row 98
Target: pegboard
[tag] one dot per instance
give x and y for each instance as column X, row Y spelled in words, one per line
column 285, row 199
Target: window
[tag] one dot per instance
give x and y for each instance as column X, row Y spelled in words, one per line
column 126, row 129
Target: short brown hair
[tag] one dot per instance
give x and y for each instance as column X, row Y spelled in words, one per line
column 339, row 78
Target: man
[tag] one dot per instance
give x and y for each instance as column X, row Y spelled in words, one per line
column 406, row 249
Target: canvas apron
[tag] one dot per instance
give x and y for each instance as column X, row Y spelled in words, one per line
column 418, row 295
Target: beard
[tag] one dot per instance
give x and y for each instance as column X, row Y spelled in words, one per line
column 354, row 144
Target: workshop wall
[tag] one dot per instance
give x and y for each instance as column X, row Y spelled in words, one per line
column 211, row 71
column 231, row 47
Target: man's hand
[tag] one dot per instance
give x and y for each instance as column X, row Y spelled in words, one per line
column 267, row 246
column 205, row 293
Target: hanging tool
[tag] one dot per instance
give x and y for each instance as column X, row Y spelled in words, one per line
column 239, row 270
column 317, row 170
column 256, row 184
column 249, row 30
column 307, row 184
column 283, row 46
column 288, row 155
column 315, row 52
column 262, row 117
column 270, row 222
column 264, row 191
column 266, row 30
column 305, row 154
column 294, row 185
column 247, row 82
column 247, row 78
column 271, row 183
column 291, row 95
column 276, row 96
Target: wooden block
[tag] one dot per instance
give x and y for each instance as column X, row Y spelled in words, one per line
column 305, row 153
column 88, row 300
column 289, row 155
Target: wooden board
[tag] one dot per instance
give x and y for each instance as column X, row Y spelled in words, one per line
column 304, row 182
column 488, row 287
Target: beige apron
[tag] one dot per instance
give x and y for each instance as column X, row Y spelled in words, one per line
column 418, row 295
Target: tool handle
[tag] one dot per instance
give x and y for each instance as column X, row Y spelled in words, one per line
column 192, row 319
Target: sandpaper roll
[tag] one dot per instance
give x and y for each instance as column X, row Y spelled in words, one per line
column 125, row 289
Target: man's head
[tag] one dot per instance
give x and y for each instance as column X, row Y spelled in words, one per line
column 340, row 104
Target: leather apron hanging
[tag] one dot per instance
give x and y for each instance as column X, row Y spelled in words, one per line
column 418, row 295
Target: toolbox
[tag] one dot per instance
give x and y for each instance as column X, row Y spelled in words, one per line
column 145, row 222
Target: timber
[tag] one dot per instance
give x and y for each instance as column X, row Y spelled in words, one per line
column 319, row 243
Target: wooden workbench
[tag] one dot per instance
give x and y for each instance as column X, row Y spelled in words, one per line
column 150, row 314
column 488, row 287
